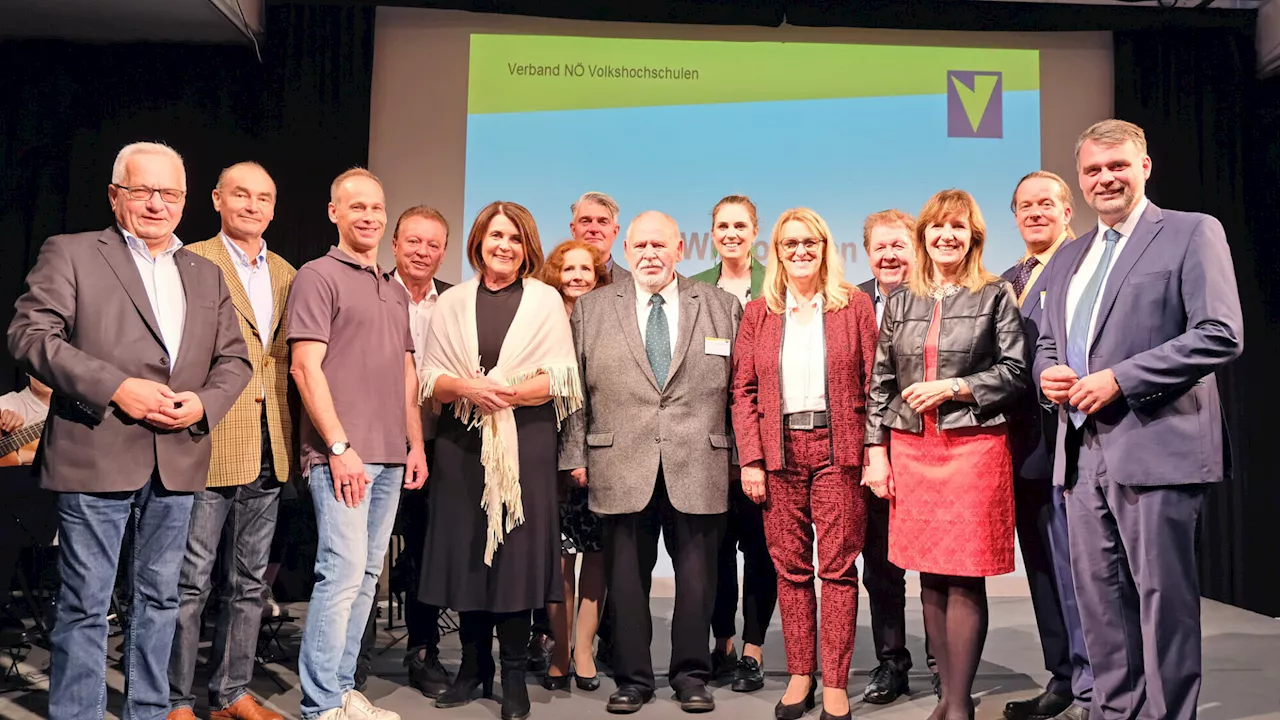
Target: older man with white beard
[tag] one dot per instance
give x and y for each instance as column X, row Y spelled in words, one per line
column 652, row 446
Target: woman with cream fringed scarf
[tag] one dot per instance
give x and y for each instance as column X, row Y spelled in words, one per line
column 500, row 370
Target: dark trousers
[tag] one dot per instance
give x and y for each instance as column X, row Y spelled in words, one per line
column 420, row 619
column 1034, row 511
column 1134, row 564
column 744, row 530
column 241, row 521
column 886, row 589
column 630, row 552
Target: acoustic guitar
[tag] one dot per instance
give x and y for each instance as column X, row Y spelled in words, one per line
column 28, row 438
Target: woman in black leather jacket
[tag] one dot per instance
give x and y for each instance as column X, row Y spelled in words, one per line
column 951, row 361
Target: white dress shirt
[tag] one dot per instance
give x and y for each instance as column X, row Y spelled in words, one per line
column 164, row 290
column 877, row 302
column 255, row 278
column 671, row 306
column 804, row 378
column 420, row 318
column 1090, row 263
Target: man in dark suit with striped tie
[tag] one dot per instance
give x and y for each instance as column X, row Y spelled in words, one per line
column 1042, row 206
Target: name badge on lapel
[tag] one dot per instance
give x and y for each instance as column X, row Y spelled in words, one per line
column 718, row 346
column 1042, row 293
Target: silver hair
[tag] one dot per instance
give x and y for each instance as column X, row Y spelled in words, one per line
column 598, row 198
column 118, row 170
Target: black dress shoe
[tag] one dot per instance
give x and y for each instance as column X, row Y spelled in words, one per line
column 427, row 675
column 1041, row 707
column 887, row 684
column 1075, row 712
column 461, row 691
column 539, row 652
column 783, row 711
column 696, row 699
column 828, row 716
column 555, row 683
column 589, row 684
column 723, row 666
column 629, row 699
column 748, row 677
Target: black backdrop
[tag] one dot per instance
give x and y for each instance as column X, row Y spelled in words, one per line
column 304, row 113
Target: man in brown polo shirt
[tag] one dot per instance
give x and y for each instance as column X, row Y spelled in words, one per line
column 348, row 327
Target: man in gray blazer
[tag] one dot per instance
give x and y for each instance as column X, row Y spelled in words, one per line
column 139, row 341
column 1138, row 316
column 652, row 445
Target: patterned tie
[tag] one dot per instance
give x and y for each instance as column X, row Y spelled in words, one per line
column 1078, row 333
column 657, row 340
column 1024, row 275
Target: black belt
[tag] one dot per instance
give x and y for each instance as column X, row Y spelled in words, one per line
column 804, row 420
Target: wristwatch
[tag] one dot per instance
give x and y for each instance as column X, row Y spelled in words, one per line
column 955, row 388
column 339, row 447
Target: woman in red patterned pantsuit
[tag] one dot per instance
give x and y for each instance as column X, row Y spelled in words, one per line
column 952, row 359
column 801, row 365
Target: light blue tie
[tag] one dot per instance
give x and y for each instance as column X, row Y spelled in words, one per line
column 657, row 340
column 1078, row 333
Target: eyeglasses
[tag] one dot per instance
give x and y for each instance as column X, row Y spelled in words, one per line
column 142, row 192
column 810, row 245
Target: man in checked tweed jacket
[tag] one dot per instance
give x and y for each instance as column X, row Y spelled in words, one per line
column 252, row 456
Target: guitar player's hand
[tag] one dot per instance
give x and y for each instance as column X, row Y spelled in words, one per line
column 10, row 421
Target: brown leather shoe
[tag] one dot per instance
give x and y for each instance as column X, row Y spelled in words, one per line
column 183, row 713
column 246, row 708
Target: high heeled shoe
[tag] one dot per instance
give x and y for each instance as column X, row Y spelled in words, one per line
column 555, row 683
column 515, row 694
column 590, row 684
column 783, row 711
column 464, row 686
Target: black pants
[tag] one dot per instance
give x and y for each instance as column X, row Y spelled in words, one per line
column 420, row 619
column 744, row 530
column 1033, row 508
column 886, row 590
column 630, row 553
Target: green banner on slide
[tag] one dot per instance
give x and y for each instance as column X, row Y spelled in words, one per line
column 527, row 73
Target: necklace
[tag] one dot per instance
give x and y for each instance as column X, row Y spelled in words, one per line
column 944, row 291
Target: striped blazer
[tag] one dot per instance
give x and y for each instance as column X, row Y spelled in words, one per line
column 237, row 440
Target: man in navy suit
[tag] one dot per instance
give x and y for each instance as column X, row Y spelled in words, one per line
column 1042, row 206
column 1139, row 314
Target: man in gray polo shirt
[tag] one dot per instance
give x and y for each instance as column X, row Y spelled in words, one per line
column 353, row 364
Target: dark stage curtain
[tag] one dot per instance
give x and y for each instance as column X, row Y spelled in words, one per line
column 1211, row 133
column 303, row 112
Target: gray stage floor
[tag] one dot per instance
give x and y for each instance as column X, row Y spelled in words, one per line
column 1241, row 674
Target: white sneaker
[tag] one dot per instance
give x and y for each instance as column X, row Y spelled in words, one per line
column 358, row 707
column 334, row 714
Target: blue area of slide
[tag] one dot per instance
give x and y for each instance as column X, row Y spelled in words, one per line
column 845, row 158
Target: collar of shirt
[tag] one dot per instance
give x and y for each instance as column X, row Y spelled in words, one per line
column 241, row 258
column 1125, row 227
column 793, row 303
column 1047, row 255
column 431, row 295
column 670, row 294
column 140, row 247
column 337, row 253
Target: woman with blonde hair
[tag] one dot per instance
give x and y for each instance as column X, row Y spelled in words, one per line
column 500, row 369
column 575, row 268
column 801, row 365
column 952, row 362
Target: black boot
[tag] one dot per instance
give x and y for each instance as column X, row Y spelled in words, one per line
column 513, row 639
column 476, row 670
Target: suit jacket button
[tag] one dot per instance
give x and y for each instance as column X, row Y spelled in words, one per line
column 657, row 439
column 164, row 360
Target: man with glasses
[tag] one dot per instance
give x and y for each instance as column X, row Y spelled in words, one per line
column 139, row 340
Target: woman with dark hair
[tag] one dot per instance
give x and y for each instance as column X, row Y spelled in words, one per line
column 575, row 268
column 500, row 367
column 951, row 364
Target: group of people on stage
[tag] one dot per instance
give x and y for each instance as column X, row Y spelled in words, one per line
column 567, row 410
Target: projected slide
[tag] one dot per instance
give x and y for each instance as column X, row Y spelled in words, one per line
column 675, row 125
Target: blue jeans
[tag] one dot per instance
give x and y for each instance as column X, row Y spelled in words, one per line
column 349, row 558
column 91, row 528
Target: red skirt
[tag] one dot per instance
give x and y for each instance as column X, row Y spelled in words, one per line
column 952, row 510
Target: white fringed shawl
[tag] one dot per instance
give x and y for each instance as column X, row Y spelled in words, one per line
column 539, row 342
